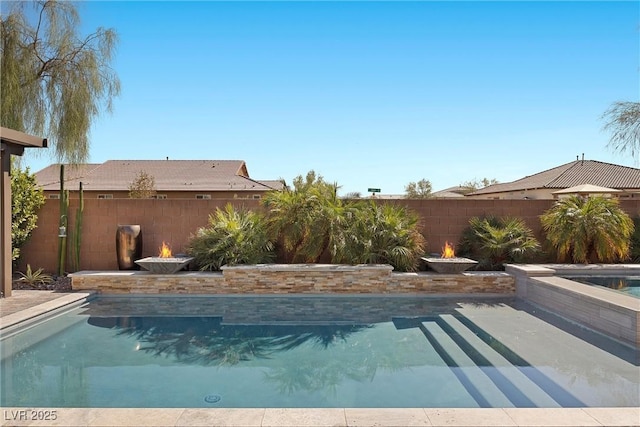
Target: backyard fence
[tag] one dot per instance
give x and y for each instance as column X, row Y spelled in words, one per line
column 175, row 220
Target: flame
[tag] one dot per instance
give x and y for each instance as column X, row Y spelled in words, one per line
column 447, row 251
column 165, row 251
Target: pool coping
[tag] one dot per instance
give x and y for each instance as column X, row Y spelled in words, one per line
column 263, row 417
column 24, row 317
column 301, row 417
column 608, row 312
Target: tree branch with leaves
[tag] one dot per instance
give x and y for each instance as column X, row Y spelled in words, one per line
column 622, row 120
column 143, row 186
column 54, row 82
column 418, row 190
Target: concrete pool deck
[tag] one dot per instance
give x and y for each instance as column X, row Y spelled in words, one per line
column 26, row 305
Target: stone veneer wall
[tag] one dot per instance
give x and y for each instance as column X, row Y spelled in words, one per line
column 297, row 278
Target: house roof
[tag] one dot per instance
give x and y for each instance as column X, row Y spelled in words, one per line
column 169, row 175
column 275, row 184
column 572, row 174
column 586, row 189
column 451, row 192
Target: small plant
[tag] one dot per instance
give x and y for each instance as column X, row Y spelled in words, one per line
column 232, row 237
column 34, row 278
column 588, row 229
column 494, row 242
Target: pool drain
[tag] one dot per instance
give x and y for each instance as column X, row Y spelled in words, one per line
column 212, row 398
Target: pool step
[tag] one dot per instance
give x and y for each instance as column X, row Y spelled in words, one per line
column 477, row 384
column 508, row 376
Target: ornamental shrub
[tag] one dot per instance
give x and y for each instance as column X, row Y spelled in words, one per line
column 588, row 229
column 381, row 234
column 306, row 221
column 26, row 199
column 494, row 242
column 312, row 224
column 232, row 237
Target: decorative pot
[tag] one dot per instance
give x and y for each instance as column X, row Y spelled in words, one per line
column 128, row 246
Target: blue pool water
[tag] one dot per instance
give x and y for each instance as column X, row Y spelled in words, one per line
column 272, row 351
column 629, row 285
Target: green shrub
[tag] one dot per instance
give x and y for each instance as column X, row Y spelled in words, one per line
column 494, row 242
column 312, row 224
column 26, row 200
column 381, row 234
column 634, row 248
column 232, row 237
column 588, row 229
column 306, row 221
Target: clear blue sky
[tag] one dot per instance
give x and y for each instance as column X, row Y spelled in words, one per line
column 368, row 94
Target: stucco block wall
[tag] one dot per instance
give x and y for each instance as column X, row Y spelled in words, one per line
column 175, row 220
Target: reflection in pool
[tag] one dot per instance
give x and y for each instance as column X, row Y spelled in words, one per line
column 275, row 351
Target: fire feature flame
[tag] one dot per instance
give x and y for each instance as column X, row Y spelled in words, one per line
column 165, row 251
column 447, row 251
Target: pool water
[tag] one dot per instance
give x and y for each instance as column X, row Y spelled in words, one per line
column 629, row 285
column 379, row 351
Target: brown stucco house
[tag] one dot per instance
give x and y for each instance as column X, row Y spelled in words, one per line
column 622, row 180
column 174, row 179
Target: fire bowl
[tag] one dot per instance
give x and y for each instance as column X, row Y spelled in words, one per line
column 449, row 265
column 164, row 265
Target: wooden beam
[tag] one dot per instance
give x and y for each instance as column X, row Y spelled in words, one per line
column 13, row 137
column 5, row 222
column 12, row 142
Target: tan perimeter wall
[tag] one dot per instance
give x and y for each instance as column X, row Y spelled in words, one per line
column 174, row 220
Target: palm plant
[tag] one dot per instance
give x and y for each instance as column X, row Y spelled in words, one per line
column 588, row 229
column 311, row 223
column 232, row 237
column 306, row 221
column 496, row 241
column 382, row 234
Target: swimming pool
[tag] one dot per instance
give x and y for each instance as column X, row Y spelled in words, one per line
column 629, row 285
column 312, row 351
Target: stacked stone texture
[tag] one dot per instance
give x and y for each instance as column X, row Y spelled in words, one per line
column 293, row 279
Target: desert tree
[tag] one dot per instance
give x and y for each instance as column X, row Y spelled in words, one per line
column 622, row 120
column 54, row 81
column 418, row 190
column 143, row 186
column 475, row 184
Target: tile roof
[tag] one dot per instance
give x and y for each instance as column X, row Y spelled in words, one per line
column 451, row 192
column 169, row 175
column 276, row 184
column 571, row 174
